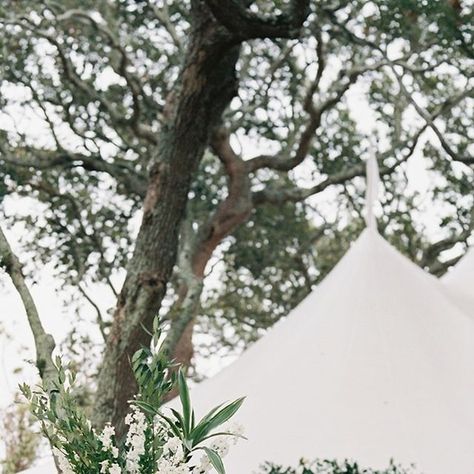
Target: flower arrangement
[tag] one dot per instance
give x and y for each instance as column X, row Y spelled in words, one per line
column 159, row 440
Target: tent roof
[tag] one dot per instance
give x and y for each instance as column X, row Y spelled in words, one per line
column 376, row 363
column 459, row 283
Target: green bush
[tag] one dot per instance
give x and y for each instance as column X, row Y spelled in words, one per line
column 326, row 466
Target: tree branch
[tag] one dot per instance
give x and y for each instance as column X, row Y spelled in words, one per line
column 233, row 210
column 45, row 159
column 430, row 257
column 276, row 196
column 245, row 25
column 121, row 68
column 197, row 250
column 73, row 77
column 100, row 319
column 430, row 119
column 286, row 161
column 44, row 343
column 163, row 15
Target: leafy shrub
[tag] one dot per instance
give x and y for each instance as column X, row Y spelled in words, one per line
column 326, row 466
column 158, row 440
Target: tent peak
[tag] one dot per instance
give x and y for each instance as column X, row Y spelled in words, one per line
column 373, row 182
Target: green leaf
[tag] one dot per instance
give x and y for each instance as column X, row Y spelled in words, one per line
column 146, row 330
column 156, row 326
column 215, row 459
column 209, row 423
column 156, row 331
column 138, row 354
column 211, row 412
column 146, row 407
column 173, row 426
column 223, row 433
column 179, row 420
column 185, row 402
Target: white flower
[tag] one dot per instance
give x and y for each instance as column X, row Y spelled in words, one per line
column 166, row 466
column 173, row 450
column 221, row 445
column 115, row 469
column 204, row 466
column 172, row 445
column 135, row 442
column 129, row 419
column 236, row 429
column 106, row 436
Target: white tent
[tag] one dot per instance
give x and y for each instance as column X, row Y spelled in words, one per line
column 459, row 283
column 376, row 363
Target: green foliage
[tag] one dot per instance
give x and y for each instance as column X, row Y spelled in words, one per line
column 155, row 440
column 334, row 467
column 424, row 21
column 183, row 425
column 153, row 372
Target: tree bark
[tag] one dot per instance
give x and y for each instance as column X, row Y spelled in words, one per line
column 205, row 87
column 230, row 214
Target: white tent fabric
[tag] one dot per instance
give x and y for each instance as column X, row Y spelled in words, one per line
column 459, row 283
column 375, row 364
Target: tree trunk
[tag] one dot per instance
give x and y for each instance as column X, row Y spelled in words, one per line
column 205, row 87
column 230, row 214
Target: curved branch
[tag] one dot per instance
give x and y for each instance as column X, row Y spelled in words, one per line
column 197, row 250
column 276, row 196
column 431, row 118
column 44, row 342
column 286, row 161
column 100, row 319
column 233, row 210
column 141, row 130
